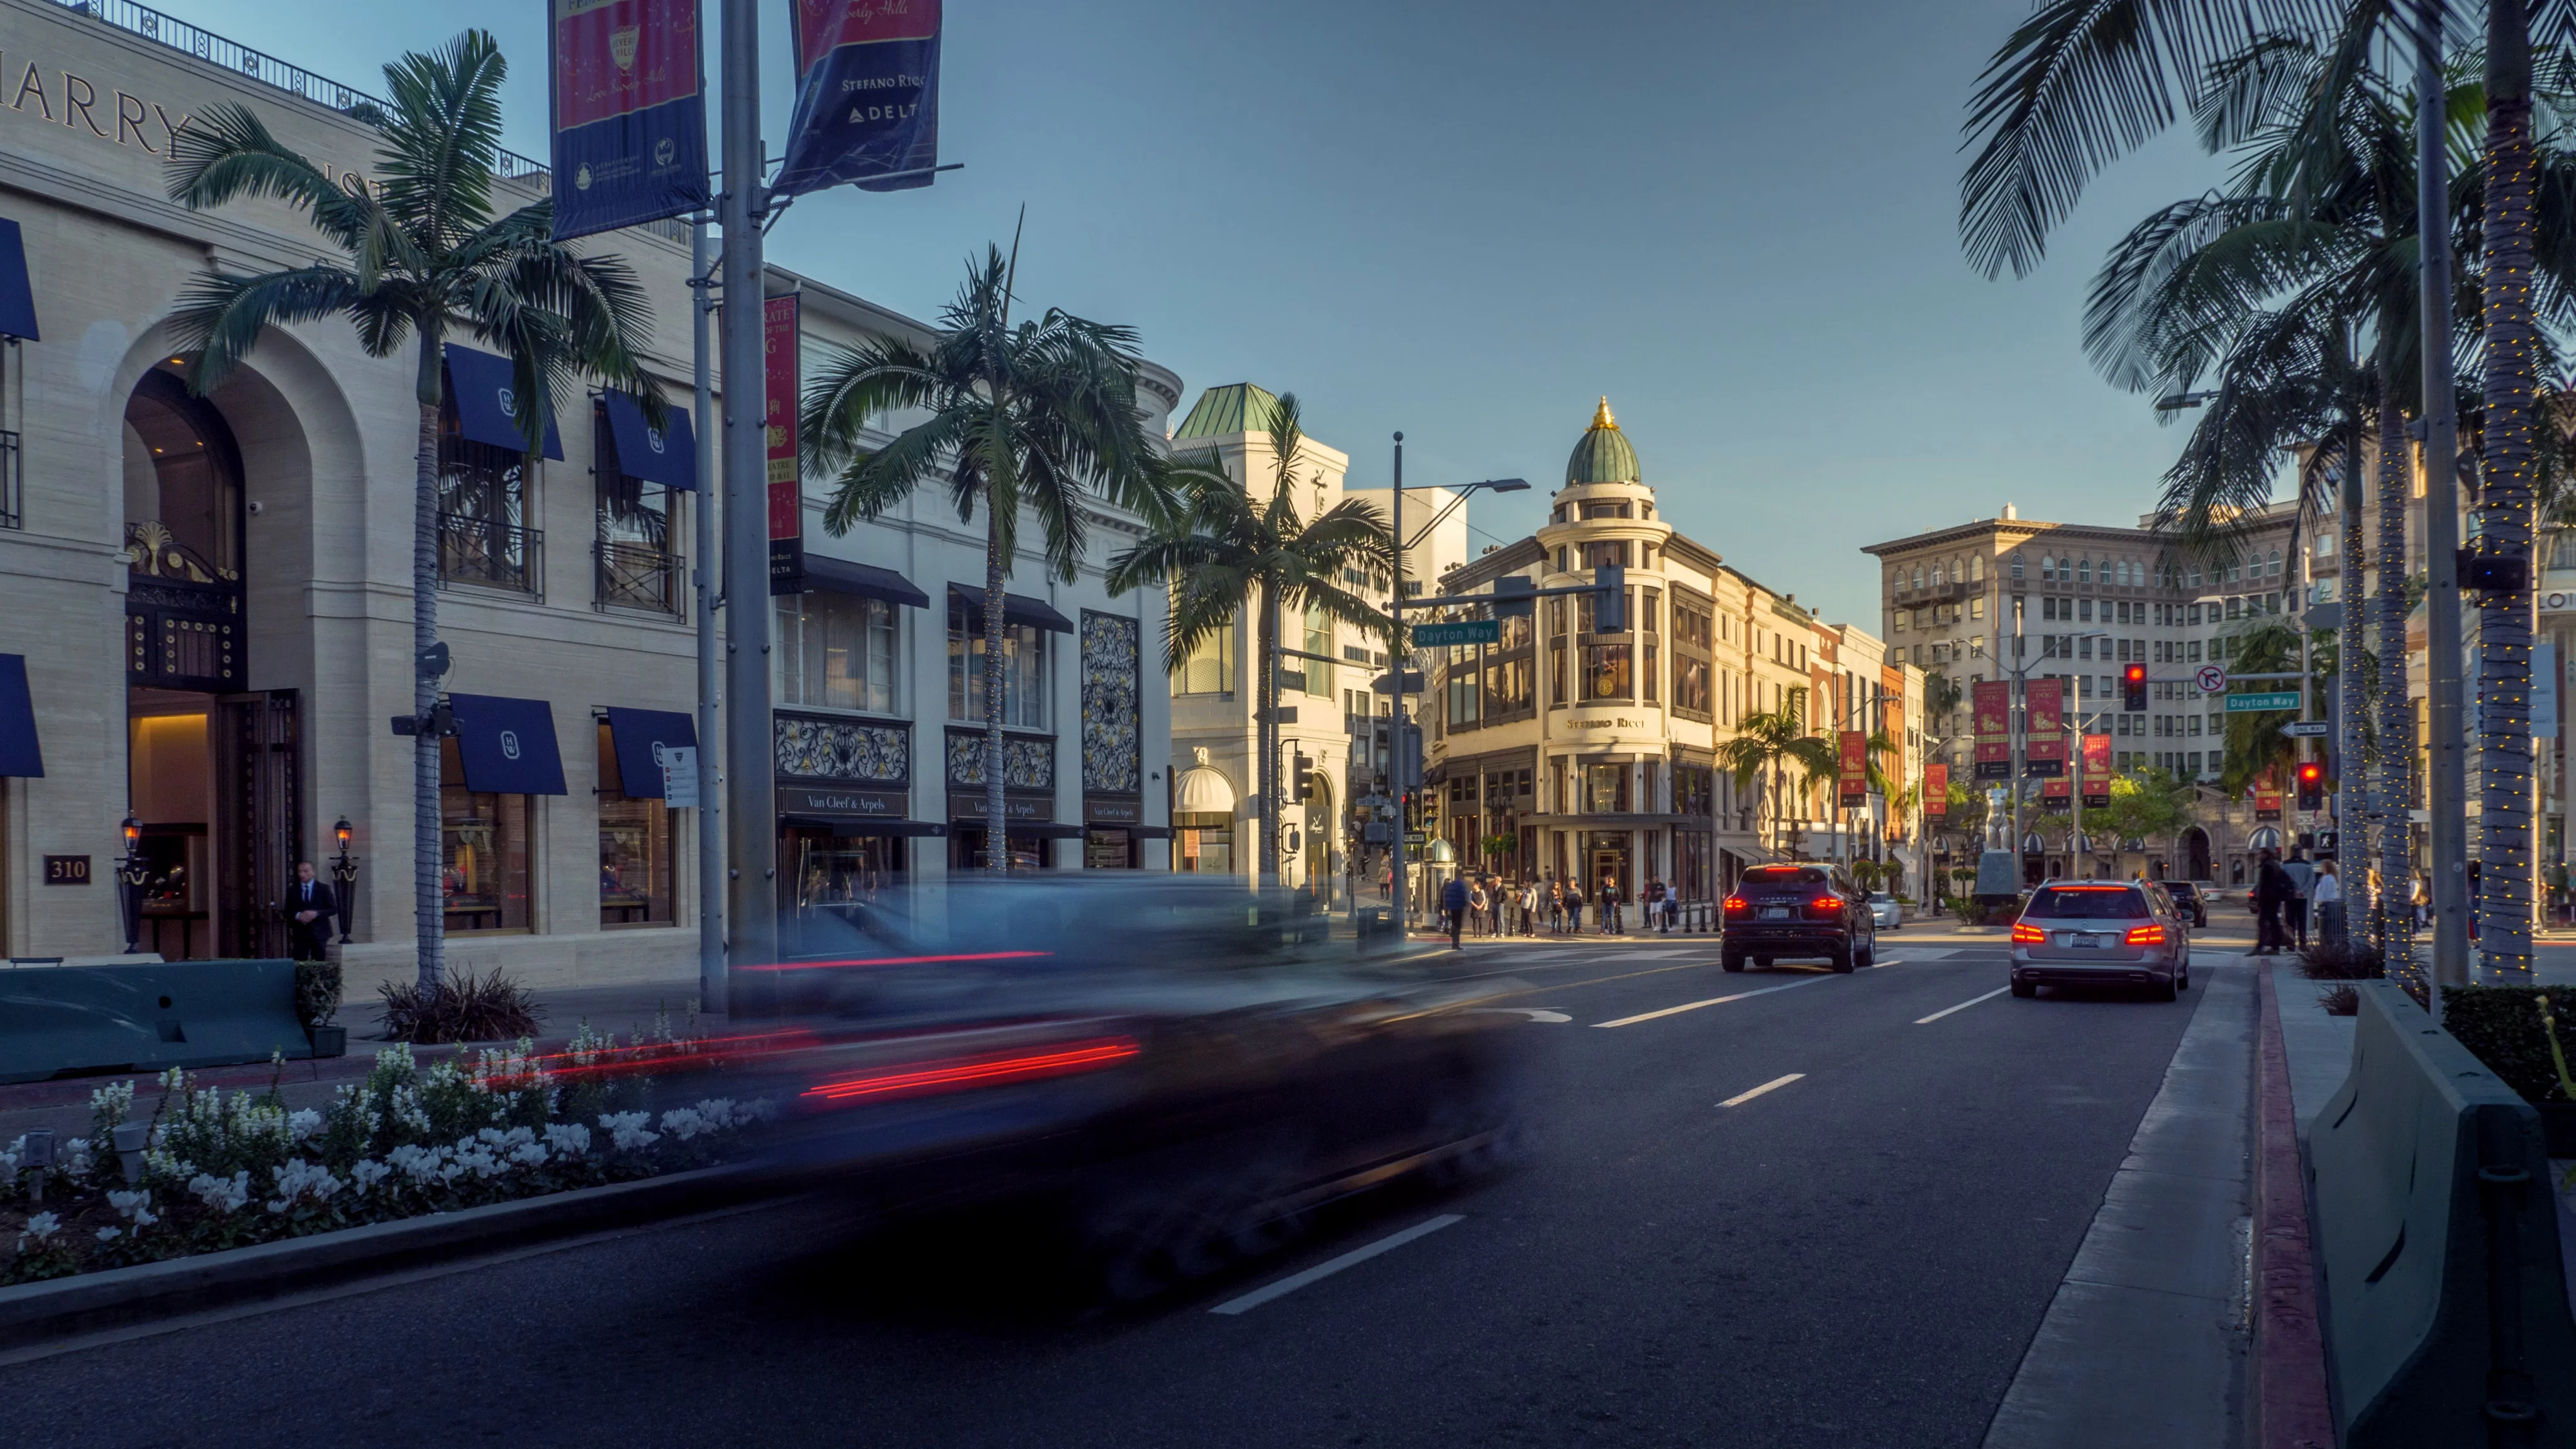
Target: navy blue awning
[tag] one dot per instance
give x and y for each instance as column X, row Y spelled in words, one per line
column 667, row 455
column 479, row 385
column 640, row 735
column 844, row 576
column 17, row 299
column 1016, row 609
column 508, row 745
column 19, row 754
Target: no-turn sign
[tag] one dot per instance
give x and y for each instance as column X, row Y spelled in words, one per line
column 2211, row 679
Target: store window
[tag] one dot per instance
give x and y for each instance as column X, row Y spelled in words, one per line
column 483, row 854
column 1209, row 669
column 1650, row 610
column 836, row 651
column 1319, row 640
column 1605, row 789
column 1203, row 843
column 638, row 857
column 483, row 505
column 1023, row 661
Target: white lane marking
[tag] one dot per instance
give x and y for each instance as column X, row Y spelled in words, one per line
column 1320, row 1271
column 1773, row 1085
column 1712, row 1001
column 1962, row 1006
column 1534, row 1013
column 1879, row 965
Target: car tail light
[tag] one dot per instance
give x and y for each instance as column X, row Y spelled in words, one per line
column 2026, row 934
column 1825, row 906
column 983, row 1069
column 1735, row 906
column 2144, row 936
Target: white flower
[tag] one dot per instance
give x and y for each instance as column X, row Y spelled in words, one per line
column 110, row 1235
column 684, row 1123
column 367, row 1172
column 627, row 1129
column 136, row 1206
column 303, row 1124
column 39, row 1228
column 529, row 1154
column 222, row 1194
column 298, row 1181
column 568, row 1139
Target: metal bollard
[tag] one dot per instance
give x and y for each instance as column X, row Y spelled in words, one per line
column 131, row 1139
column 38, row 1153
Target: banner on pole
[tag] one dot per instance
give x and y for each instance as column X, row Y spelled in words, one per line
column 867, row 96
column 778, row 341
column 2044, row 753
column 630, row 113
column 2056, row 792
column 1853, row 777
column 1990, row 700
column 2267, row 803
column 2097, row 771
column 1936, row 788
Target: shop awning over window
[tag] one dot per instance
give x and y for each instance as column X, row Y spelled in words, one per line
column 850, row 825
column 479, row 386
column 639, row 736
column 667, row 455
column 19, row 754
column 1016, row 609
column 508, row 745
column 17, row 299
column 843, row 576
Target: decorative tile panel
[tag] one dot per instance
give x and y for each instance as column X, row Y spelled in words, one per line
column 840, row 749
column 1111, row 760
column 1027, row 764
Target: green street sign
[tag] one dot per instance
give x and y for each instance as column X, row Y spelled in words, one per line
column 1465, row 631
column 2256, row 703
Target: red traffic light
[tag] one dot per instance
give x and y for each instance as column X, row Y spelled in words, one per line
column 2311, row 773
column 2135, row 674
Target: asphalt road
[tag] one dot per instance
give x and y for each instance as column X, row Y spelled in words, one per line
column 1858, row 1255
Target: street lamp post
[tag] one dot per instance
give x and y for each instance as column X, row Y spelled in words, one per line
column 130, row 877
column 344, row 872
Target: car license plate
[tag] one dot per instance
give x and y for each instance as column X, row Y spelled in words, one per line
column 2093, row 941
column 1775, row 913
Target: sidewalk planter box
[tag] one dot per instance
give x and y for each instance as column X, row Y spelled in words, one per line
column 329, row 1041
column 72, row 1020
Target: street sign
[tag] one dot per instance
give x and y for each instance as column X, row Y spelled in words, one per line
column 2257, row 703
column 679, row 775
column 2306, row 729
column 1464, row 631
column 2211, row 679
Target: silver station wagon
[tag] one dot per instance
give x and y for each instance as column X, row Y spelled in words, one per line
column 2101, row 933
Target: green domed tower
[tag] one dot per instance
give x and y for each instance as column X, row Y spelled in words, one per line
column 1603, row 454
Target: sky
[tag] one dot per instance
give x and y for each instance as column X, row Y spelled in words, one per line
column 1467, row 221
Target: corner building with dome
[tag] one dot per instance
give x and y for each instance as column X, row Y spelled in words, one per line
column 1568, row 752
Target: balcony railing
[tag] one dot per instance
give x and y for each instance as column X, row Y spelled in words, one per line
column 493, row 554
column 638, row 576
column 9, row 514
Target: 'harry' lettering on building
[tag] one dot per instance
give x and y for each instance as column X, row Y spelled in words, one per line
column 137, row 120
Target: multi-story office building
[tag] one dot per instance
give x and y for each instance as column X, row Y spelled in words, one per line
column 211, row 598
column 1572, row 751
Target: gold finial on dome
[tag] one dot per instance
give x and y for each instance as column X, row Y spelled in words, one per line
column 1602, row 418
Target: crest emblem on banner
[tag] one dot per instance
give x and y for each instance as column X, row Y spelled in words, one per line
column 622, row 43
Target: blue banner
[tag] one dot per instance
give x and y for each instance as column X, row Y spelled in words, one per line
column 867, row 96
column 630, row 113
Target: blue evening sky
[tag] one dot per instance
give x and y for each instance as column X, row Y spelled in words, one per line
column 1468, row 220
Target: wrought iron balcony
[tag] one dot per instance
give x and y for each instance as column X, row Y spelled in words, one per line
column 638, row 576
column 491, row 553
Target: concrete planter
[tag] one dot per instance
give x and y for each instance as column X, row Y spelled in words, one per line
column 329, row 1041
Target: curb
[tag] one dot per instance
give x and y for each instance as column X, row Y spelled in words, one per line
column 42, row 1314
column 2292, row 1408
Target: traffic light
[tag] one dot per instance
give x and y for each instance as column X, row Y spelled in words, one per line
column 1304, row 779
column 1513, row 596
column 2133, row 686
column 1610, row 612
column 2312, row 786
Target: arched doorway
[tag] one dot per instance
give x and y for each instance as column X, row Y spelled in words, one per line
column 2195, row 854
column 211, row 765
column 1317, row 845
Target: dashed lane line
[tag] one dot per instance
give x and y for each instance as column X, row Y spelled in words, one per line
column 1962, row 1006
column 1712, row 1001
column 1773, row 1085
column 1321, row 1271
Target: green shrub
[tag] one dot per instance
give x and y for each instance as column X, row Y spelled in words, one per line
column 466, row 1007
column 2500, row 1025
column 317, row 992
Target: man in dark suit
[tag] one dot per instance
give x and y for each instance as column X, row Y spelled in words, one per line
column 310, row 910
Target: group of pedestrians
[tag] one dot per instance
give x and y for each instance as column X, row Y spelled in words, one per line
column 1480, row 905
column 2287, row 894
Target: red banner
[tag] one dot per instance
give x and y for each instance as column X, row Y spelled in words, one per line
column 2056, row 790
column 630, row 126
column 1854, row 774
column 2267, row 803
column 1991, row 702
column 2097, row 769
column 1936, row 788
column 779, row 339
column 2044, row 752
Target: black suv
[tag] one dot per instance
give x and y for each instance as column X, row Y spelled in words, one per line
column 2189, row 900
column 1810, row 909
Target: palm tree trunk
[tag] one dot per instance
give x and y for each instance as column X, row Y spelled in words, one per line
column 2505, row 503
column 1265, row 735
column 2351, row 690
column 997, row 820
column 2396, row 713
column 429, row 909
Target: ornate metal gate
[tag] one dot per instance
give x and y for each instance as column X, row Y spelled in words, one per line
column 258, row 815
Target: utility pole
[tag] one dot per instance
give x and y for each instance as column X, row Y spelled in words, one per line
column 752, row 903
column 2449, row 828
column 712, row 996
column 1399, row 762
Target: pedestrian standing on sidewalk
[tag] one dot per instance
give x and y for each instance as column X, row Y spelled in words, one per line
column 1609, row 905
column 1574, row 906
column 2294, row 911
column 2271, row 888
column 2326, row 894
column 1476, row 901
column 310, row 905
column 1529, row 908
column 1453, row 904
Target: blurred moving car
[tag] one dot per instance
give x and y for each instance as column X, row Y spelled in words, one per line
column 1885, row 913
column 1178, row 1071
column 1802, row 909
column 2191, row 898
column 2099, row 933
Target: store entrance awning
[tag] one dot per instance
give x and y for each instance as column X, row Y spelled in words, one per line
column 481, row 389
column 848, row 576
column 667, row 455
column 507, row 746
column 1016, row 609
column 19, row 753
column 639, row 737
column 17, row 298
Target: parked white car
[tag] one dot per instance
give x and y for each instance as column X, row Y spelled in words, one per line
column 1884, row 912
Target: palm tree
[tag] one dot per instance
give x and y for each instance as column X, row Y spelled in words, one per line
column 423, row 258
column 1230, row 555
column 1037, row 418
column 1767, row 744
